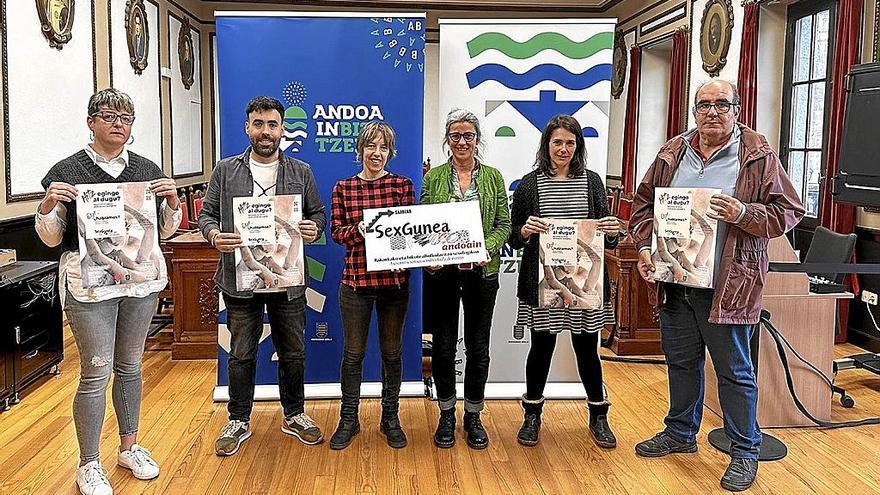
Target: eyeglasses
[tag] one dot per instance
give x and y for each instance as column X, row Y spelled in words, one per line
column 457, row 136
column 110, row 117
column 721, row 107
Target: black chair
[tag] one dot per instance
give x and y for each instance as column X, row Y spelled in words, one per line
column 828, row 246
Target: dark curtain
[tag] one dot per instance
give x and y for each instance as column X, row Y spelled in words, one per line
column 847, row 44
column 678, row 69
column 630, row 129
column 747, row 78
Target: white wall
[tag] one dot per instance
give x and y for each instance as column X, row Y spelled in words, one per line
column 186, row 104
column 771, row 60
column 730, row 70
column 617, row 118
column 653, row 104
column 44, row 126
column 433, row 131
column 143, row 88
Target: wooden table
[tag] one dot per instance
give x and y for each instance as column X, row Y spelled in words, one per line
column 193, row 263
column 807, row 321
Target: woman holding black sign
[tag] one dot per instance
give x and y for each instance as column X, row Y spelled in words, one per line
column 561, row 187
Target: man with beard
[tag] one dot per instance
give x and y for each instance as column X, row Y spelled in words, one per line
column 262, row 170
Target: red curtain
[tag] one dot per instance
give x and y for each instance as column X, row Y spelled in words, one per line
column 630, row 128
column 678, row 68
column 747, row 78
column 847, row 44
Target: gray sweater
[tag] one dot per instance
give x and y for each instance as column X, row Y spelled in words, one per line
column 232, row 178
column 79, row 168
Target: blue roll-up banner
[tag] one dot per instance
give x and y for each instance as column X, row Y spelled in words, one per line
column 333, row 74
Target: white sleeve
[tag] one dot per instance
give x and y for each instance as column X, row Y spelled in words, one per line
column 169, row 220
column 50, row 227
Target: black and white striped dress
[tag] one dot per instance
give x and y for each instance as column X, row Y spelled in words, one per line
column 567, row 198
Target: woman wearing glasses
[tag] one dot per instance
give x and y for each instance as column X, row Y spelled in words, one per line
column 464, row 178
column 109, row 323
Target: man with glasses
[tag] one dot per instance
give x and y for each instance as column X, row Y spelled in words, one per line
column 757, row 203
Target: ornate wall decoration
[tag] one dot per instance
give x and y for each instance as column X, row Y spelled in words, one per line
column 209, row 298
column 185, row 54
column 56, row 20
column 618, row 74
column 138, row 35
column 716, row 30
column 877, row 32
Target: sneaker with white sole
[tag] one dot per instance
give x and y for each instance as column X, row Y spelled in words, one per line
column 303, row 427
column 92, row 479
column 138, row 460
column 231, row 437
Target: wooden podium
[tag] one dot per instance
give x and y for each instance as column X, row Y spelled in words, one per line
column 638, row 326
column 195, row 296
column 807, row 321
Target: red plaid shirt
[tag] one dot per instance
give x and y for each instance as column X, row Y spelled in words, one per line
column 349, row 199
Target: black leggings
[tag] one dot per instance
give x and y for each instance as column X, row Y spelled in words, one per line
column 586, row 351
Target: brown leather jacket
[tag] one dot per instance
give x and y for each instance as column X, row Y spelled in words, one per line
column 772, row 209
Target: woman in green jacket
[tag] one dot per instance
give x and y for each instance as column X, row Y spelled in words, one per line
column 464, row 178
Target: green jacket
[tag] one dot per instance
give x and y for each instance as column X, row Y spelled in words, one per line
column 436, row 188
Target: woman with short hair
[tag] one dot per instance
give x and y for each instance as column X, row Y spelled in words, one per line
column 109, row 323
column 360, row 291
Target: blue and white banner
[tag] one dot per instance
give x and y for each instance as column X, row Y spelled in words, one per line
column 517, row 74
column 333, row 73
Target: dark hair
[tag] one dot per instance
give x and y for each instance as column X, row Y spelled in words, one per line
column 578, row 161
column 263, row 103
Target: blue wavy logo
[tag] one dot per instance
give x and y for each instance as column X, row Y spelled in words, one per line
column 537, row 74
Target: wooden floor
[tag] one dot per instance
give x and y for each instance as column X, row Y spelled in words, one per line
column 38, row 450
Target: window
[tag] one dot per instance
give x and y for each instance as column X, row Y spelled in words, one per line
column 809, row 46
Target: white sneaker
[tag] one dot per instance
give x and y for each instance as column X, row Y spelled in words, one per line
column 138, row 459
column 92, row 479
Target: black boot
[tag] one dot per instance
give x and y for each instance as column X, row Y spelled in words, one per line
column 599, row 426
column 531, row 427
column 444, row 437
column 345, row 432
column 390, row 427
column 476, row 434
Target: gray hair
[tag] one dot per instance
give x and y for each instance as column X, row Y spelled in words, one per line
column 706, row 83
column 110, row 98
column 458, row 115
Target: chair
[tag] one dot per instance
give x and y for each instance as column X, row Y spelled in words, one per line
column 828, row 246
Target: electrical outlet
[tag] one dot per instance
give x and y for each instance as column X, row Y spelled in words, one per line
column 869, row 297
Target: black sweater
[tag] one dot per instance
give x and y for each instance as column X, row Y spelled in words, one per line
column 525, row 204
column 80, row 169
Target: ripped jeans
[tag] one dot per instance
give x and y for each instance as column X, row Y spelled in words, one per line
column 110, row 336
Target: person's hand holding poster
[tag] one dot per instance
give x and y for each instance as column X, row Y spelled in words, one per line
column 272, row 256
column 571, row 267
column 118, row 234
column 683, row 249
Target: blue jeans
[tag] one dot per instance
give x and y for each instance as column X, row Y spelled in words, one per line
column 110, row 336
column 686, row 334
column 287, row 320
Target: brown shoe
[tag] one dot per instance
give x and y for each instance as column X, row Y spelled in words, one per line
column 304, row 428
